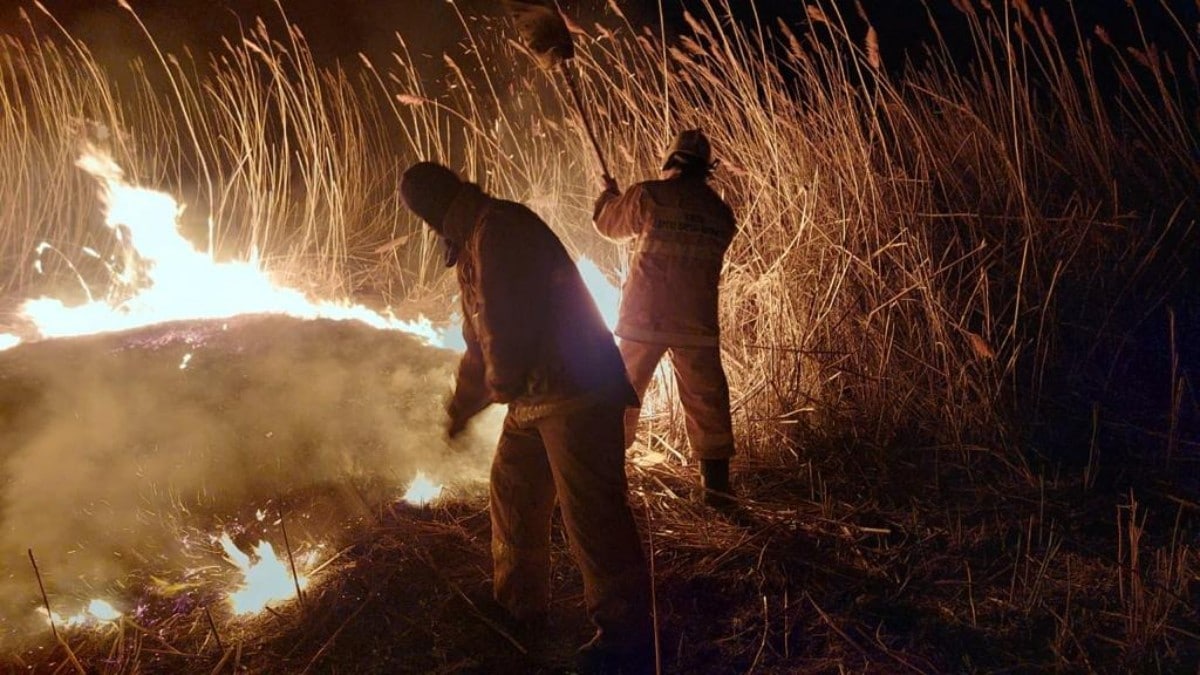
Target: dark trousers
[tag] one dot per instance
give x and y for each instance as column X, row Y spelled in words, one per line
column 578, row 457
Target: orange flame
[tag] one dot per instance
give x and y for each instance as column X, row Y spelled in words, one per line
column 177, row 281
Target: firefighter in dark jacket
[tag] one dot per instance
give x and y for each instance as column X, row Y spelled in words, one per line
column 536, row 342
column 679, row 229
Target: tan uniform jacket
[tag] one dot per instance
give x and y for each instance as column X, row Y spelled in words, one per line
column 535, row 339
column 680, row 230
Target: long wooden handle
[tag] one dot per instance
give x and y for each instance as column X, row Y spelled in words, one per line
column 574, row 88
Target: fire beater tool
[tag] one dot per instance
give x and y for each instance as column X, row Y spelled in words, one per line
column 544, row 32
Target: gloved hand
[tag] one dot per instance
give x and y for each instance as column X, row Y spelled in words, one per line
column 455, row 425
column 611, row 191
column 451, row 252
column 459, row 414
column 610, row 184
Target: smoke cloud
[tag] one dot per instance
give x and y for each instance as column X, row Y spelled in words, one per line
column 124, row 454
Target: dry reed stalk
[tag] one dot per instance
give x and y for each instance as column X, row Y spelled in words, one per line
column 291, row 558
column 45, row 599
column 333, row 636
column 224, row 660
column 213, row 627
column 71, row 658
column 653, row 587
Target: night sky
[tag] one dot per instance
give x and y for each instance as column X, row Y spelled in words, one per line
column 431, row 27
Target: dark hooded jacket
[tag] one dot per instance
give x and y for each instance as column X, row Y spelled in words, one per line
column 535, row 338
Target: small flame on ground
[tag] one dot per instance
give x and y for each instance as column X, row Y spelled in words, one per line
column 264, row 580
column 422, row 490
column 103, row 611
column 97, row 611
column 8, row 341
column 186, row 359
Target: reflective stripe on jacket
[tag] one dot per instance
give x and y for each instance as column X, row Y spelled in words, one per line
column 535, row 339
column 680, row 230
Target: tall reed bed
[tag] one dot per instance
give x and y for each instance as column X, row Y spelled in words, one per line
column 925, row 253
column 930, row 252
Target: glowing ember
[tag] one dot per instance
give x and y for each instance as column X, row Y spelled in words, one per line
column 264, row 580
column 422, row 491
column 176, row 281
column 606, row 295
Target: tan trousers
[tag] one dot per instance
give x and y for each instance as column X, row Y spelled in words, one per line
column 703, row 392
column 579, row 458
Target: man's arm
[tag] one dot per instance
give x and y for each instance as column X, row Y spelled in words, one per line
column 617, row 216
column 470, row 394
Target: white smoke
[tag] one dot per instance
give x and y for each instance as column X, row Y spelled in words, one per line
column 111, row 446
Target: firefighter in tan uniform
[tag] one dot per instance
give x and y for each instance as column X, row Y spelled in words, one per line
column 679, row 229
column 536, row 342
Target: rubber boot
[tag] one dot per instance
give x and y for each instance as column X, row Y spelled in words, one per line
column 714, row 477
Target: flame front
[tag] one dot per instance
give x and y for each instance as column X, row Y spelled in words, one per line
column 174, row 280
column 264, row 580
column 177, row 282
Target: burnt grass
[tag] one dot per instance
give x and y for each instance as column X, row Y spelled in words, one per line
column 848, row 559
